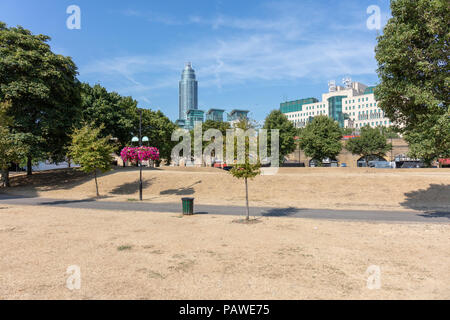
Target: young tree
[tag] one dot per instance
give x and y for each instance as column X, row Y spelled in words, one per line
column 247, row 170
column 321, row 138
column 277, row 120
column 371, row 142
column 42, row 89
column 91, row 151
column 413, row 67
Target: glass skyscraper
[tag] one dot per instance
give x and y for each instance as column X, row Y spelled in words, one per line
column 188, row 92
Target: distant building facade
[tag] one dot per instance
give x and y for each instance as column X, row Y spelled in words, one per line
column 193, row 117
column 352, row 106
column 188, row 92
column 215, row 115
column 236, row 115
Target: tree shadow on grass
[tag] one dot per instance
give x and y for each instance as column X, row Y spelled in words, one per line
column 435, row 201
column 55, row 203
column 280, row 212
column 131, row 187
column 435, row 214
column 58, row 179
column 184, row 191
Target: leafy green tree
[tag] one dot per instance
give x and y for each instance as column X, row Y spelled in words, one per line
column 247, row 170
column 321, row 138
column 277, row 120
column 11, row 150
column 158, row 128
column 413, row 67
column 91, row 151
column 211, row 124
column 117, row 115
column 347, row 131
column 371, row 142
column 42, row 88
column 431, row 140
column 390, row 132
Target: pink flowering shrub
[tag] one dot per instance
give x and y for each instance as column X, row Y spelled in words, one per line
column 135, row 154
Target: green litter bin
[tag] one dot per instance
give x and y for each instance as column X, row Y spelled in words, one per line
column 188, row 205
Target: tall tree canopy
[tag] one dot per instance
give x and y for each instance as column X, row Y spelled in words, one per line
column 116, row 114
column 277, row 120
column 413, row 66
column 320, row 139
column 42, row 88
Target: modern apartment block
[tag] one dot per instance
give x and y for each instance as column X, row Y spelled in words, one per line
column 215, row 114
column 352, row 106
column 193, row 117
column 236, row 115
column 198, row 116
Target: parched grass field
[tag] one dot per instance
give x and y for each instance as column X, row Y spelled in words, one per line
column 139, row 255
column 326, row 188
column 136, row 255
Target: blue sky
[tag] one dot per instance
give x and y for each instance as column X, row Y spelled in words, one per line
column 246, row 54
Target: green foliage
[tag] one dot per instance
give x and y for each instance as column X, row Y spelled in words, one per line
column 431, row 140
column 118, row 115
column 90, row 150
column 413, row 67
column 211, row 124
column 5, row 119
column 371, row 142
column 347, row 131
column 219, row 125
column 158, row 128
column 320, row 139
column 246, row 170
column 277, row 120
column 11, row 150
column 390, row 132
column 41, row 87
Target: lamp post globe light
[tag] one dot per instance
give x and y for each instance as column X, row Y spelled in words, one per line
column 140, row 161
column 140, row 140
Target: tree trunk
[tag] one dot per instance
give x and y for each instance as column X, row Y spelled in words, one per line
column 96, row 183
column 29, row 166
column 5, row 177
column 69, row 162
column 246, row 200
column 367, row 161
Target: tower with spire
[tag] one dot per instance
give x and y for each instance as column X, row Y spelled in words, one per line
column 188, row 92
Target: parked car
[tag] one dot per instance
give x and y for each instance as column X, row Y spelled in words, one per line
column 412, row 164
column 380, row 164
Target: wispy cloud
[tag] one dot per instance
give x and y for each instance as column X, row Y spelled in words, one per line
column 287, row 46
column 153, row 17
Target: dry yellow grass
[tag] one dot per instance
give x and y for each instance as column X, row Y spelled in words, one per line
column 136, row 255
column 328, row 188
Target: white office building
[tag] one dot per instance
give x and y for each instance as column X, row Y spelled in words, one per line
column 352, row 105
